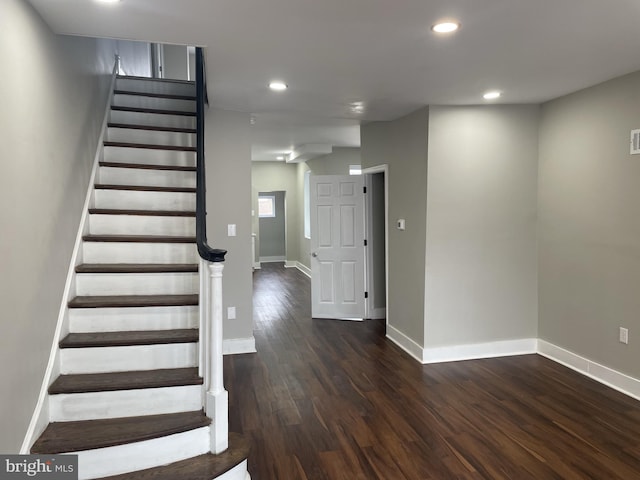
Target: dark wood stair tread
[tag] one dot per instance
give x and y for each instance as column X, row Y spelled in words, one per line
column 159, row 111
column 148, row 166
column 113, row 381
column 137, row 268
column 124, row 339
column 139, row 238
column 144, row 188
column 169, row 96
column 159, row 80
column 148, row 213
column 116, row 301
column 63, row 437
column 202, row 467
column 154, row 128
column 150, row 146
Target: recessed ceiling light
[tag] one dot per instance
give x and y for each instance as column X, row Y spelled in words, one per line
column 108, row 1
column 492, row 95
column 445, row 27
column 356, row 107
column 280, row 157
column 278, row 86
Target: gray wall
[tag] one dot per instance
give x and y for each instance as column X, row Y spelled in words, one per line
column 274, row 176
column 402, row 144
column 304, row 244
column 481, row 269
column 135, row 58
column 175, row 62
column 272, row 229
column 53, row 92
column 589, row 247
column 228, row 156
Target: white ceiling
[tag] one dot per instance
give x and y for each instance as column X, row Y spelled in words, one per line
column 380, row 52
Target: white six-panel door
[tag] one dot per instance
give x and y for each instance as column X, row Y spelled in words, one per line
column 337, row 246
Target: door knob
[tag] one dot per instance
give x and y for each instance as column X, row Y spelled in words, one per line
column 314, row 254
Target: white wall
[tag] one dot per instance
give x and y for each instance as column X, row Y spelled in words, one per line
column 228, row 170
column 481, row 258
column 53, row 91
column 589, row 235
column 337, row 162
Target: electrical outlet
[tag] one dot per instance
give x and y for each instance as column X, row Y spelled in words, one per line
column 231, row 313
column 624, row 335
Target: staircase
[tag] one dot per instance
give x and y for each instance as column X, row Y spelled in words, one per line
column 129, row 396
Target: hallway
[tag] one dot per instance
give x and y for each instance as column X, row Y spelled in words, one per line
column 332, row 400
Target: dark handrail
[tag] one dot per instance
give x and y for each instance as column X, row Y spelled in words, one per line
column 205, row 251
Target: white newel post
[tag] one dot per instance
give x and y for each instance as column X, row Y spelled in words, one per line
column 205, row 321
column 217, row 398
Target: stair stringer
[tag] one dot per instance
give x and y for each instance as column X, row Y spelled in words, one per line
column 40, row 417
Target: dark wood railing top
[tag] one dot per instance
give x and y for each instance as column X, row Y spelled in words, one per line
column 204, row 250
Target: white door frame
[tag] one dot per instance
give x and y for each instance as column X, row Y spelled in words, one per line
column 368, row 218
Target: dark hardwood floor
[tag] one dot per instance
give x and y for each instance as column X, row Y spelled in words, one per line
column 332, row 400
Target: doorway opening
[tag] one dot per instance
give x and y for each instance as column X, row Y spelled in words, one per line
column 272, row 229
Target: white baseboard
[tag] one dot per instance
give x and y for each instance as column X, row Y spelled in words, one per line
column 272, row 259
column 303, row 268
column 235, row 346
column 404, row 342
column 257, row 266
column 378, row 313
column 612, row 378
column 455, row 353
column 290, row 264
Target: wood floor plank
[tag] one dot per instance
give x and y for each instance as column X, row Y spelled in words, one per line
column 332, row 399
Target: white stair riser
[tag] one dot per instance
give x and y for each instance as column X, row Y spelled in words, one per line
column 151, row 137
column 88, row 284
column 149, row 156
column 239, row 472
column 103, row 462
column 153, row 119
column 141, row 225
column 128, row 199
column 141, row 101
column 88, row 320
column 157, row 178
column 151, row 86
column 124, row 252
column 124, row 403
column 123, row 359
